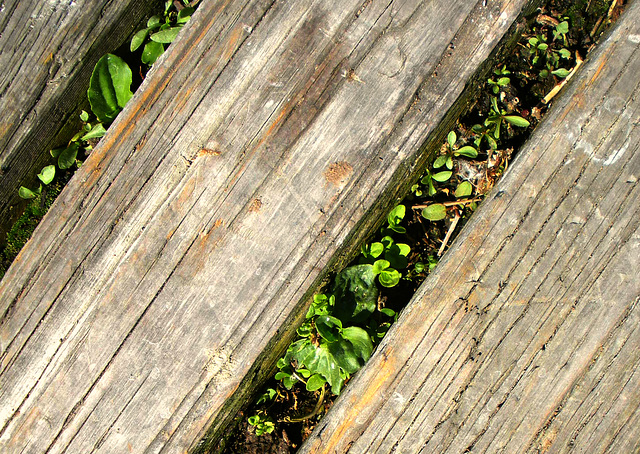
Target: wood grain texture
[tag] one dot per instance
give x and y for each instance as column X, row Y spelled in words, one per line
column 269, row 133
column 48, row 50
column 525, row 339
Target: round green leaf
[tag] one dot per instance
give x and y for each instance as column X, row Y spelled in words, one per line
column 389, row 277
column 109, row 87
column 516, row 121
column 442, row 176
column 166, row 36
column 464, row 189
column 315, row 382
column 360, row 340
column 47, row 174
column 388, row 312
column 376, row 249
column 380, row 265
column 84, row 116
column 435, row 212
column 154, row 22
column 467, row 151
column 151, row 52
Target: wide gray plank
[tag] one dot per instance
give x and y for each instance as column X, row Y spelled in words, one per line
column 166, row 276
column 525, row 339
column 48, row 49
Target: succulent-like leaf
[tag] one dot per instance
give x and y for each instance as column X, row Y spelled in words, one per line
column 435, row 212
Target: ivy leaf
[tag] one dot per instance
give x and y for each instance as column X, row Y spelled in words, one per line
column 109, row 87
column 359, row 338
column 329, row 328
column 356, row 293
column 435, row 212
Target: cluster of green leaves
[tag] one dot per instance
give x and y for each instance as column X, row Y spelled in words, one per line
column 263, row 424
column 501, row 81
column 160, row 31
column 343, row 326
column 545, row 57
column 110, row 90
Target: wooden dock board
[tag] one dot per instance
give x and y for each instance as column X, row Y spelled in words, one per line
column 47, row 52
column 525, row 339
column 162, row 284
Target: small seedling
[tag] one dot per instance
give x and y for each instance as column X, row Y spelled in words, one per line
column 262, row 424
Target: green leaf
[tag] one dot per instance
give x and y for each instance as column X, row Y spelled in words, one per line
column 562, row 27
column 380, row 265
column 329, row 328
column 442, row 176
column 435, row 212
column 359, row 338
column 389, row 312
column 449, row 163
column 138, row 39
column 166, row 36
column 516, row 121
column 316, row 381
column 56, row 152
column 320, row 360
column 84, row 116
column 396, row 255
column 396, row 215
column 154, row 22
column 467, row 151
column 439, row 162
column 184, row 15
column 376, row 249
column 27, row 193
column 560, row 72
column 543, row 47
column 464, row 189
column 96, row 132
column 564, row 53
column 355, row 292
column 47, row 174
column 151, row 52
column 451, row 139
column 389, row 277
column 68, row 156
column 109, row 87
column 503, row 81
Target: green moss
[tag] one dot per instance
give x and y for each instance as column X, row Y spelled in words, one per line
column 26, row 224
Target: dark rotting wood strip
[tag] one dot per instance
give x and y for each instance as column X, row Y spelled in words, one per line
column 525, row 338
column 48, row 51
column 156, row 289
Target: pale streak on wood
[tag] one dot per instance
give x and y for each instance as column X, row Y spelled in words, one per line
column 136, row 316
column 47, row 52
column 525, row 339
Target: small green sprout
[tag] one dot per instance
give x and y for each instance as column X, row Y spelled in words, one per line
column 262, row 424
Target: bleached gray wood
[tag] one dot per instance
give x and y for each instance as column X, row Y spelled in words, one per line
column 162, row 284
column 48, row 49
column 525, row 339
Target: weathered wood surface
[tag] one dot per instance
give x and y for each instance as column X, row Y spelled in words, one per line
column 48, row 49
column 525, row 339
column 137, row 315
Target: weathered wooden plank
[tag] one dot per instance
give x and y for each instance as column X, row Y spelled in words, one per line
column 47, row 52
column 525, row 339
column 137, row 315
